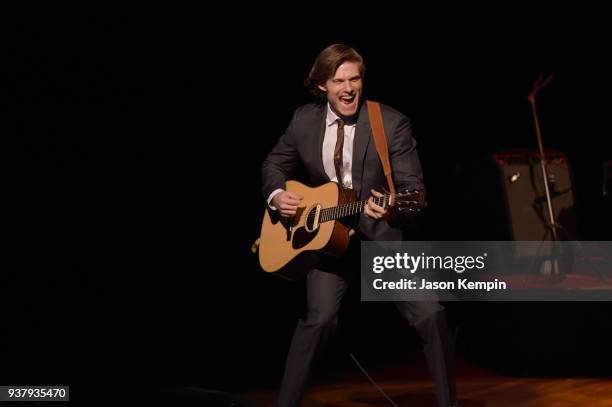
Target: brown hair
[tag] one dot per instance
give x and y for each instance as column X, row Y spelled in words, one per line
column 327, row 63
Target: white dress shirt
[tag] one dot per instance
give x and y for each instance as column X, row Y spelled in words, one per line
column 329, row 144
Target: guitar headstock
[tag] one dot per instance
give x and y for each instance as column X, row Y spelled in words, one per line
column 410, row 201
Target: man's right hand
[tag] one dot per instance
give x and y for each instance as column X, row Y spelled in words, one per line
column 287, row 203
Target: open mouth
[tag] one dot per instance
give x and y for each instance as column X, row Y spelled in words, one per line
column 347, row 100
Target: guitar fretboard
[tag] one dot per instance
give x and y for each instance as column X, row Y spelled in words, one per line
column 341, row 211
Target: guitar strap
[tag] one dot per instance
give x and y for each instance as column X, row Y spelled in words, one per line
column 380, row 140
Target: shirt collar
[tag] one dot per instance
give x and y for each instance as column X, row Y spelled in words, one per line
column 332, row 117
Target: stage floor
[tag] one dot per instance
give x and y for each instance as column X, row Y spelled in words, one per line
column 487, row 390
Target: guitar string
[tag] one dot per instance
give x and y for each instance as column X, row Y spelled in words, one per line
column 310, row 214
column 343, row 207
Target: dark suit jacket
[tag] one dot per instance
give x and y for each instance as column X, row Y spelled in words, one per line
column 302, row 144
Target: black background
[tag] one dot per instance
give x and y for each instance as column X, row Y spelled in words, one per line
column 133, row 182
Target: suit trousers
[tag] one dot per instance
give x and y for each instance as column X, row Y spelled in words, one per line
column 325, row 291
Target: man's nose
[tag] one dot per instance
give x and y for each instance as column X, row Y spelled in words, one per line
column 348, row 86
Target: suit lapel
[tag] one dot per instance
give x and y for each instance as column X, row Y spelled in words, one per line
column 360, row 146
column 320, row 138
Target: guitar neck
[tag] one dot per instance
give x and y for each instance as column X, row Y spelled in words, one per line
column 349, row 209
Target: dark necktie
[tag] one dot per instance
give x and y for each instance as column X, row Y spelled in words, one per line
column 338, row 151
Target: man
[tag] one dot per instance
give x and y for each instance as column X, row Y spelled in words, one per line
column 332, row 142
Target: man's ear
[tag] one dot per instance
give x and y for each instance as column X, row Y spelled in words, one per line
column 323, row 88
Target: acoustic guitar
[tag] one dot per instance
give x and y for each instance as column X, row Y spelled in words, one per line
column 288, row 246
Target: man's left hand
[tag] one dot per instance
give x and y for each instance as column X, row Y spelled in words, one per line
column 374, row 211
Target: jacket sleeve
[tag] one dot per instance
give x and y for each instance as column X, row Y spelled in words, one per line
column 282, row 160
column 407, row 172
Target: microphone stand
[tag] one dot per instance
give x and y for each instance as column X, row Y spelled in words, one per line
column 554, row 271
column 537, row 86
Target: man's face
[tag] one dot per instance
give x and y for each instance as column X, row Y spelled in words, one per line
column 344, row 89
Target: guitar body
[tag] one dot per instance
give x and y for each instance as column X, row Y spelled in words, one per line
column 288, row 246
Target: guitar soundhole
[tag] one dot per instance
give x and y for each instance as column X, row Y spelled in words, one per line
column 311, row 219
